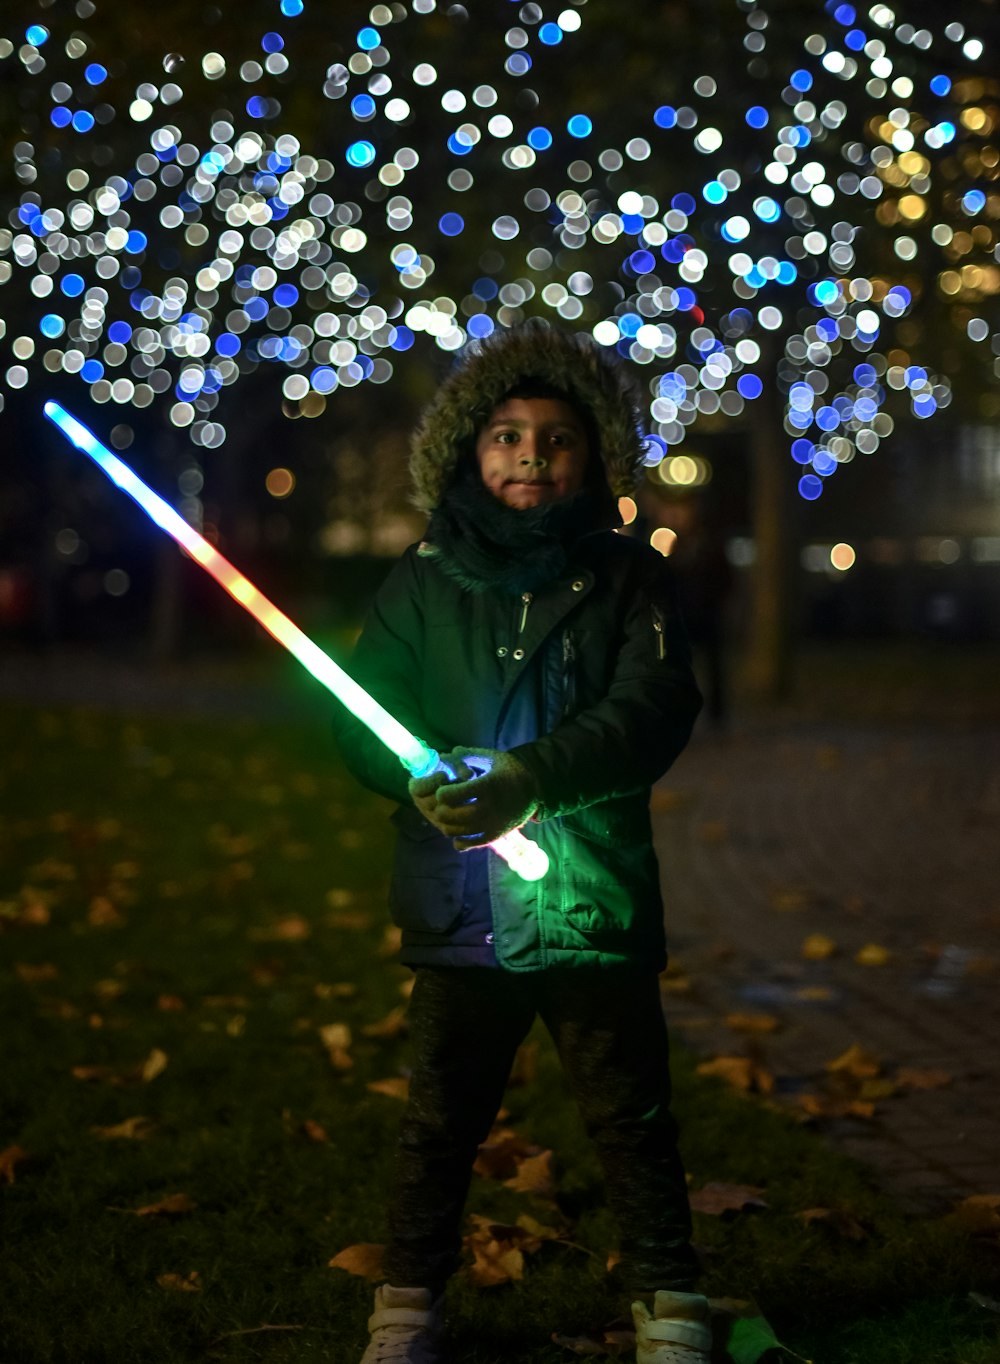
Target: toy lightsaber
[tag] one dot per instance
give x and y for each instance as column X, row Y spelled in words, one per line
column 526, row 858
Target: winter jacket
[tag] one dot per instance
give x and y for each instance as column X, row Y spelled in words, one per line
column 587, row 680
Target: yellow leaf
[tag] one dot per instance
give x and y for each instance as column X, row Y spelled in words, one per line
column 817, row 947
column 843, row 1223
column 154, row 1064
column 979, row 1215
column 395, row 1087
column 132, row 1129
column 857, row 1062
column 741, row 1072
column 103, row 914
column 873, row 955
column 363, row 1259
column 534, row 1176
column 315, row 1131
column 180, row 1283
column 392, row 1025
column 335, row 1036
column 753, row 1022
column 31, row 974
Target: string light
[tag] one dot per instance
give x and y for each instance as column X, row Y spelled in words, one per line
column 225, row 248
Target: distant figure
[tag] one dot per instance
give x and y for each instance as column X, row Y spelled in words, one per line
column 525, row 627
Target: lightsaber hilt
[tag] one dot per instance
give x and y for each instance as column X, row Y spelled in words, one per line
column 526, row 858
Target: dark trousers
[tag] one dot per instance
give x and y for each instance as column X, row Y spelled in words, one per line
column 466, row 1024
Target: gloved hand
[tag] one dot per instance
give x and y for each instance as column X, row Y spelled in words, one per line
column 497, row 796
column 423, row 790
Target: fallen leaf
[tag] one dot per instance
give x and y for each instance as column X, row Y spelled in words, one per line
column 812, row 994
column 498, row 1251
column 336, row 1038
column 789, row 900
column 341, row 989
column 103, row 913
column 856, row 1062
column 10, row 1158
column 315, row 1131
column 826, row 1106
column 393, row 1025
column 294, row 928
column 742, row 1072
column 837, row 1219
column 131, row 1129
column 154, row 1064
column 534, row 1176
column 754, row 1023
column 817, row 947
column 717, row 1198
column 395, row 1087
column 909, row 1078
column 879, row 1088
column 979, row 1215
column 32, row 974
column 502, row 1152
column 713, row 831
column 872, row 955
column 170, row 1004
column 363, row 1259
column 173, row 1205
column 180, row 1283
column 750, row 1338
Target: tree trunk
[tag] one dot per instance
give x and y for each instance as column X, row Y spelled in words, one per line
column 768, row 659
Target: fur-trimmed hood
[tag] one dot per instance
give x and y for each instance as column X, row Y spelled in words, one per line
column 489, row 369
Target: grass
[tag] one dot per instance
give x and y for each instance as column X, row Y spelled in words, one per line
column 214, row 890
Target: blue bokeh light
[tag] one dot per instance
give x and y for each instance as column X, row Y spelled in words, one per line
column 865, row 375
column 52, row 325
column 83, row 120
column 61, row 116
column 363, row 153
column 550, row 34
column 579, row 125
column 973, row 201
column 363, row 106
column 36, row 35
column 228, row 344
column 135, row 242
column 451, row 224
column 803, row 451
column 757, row 116
column 480, row 325
column 940, row 85
column 485, row 288
column 95, row 73
column 801, row 79
column 368, row 39
column 272, row 42
column 683, row 203
column 750, row 385
column 72, row 285
column 665, row 116
column 540, row 139
column 810, row 487
column 855, row 39
column 120, row 333
column 715, row 192
column 291, row 9
column 91, row 371
column 286, row 295
column 403, row 339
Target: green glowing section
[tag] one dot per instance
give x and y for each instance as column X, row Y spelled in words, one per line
column 526, row 858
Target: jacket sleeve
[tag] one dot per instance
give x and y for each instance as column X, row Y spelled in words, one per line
column 387, row 662
column 625, row 741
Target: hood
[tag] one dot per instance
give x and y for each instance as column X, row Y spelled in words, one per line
column 489, row 369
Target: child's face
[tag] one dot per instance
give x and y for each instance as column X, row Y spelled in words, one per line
column 532, row 450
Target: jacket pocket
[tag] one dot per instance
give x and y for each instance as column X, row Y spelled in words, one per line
column 425, row 891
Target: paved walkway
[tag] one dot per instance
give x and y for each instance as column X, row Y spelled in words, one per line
column 869, row 836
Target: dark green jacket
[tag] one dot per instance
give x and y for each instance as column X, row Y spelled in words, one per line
column 588, row 681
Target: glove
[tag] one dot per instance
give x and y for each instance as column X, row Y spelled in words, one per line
column 497, row 796
column 423, row 790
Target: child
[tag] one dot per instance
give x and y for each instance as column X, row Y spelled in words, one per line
column 541, row 654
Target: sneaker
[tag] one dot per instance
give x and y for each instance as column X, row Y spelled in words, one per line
column 405, row 1327
column 677, row 1331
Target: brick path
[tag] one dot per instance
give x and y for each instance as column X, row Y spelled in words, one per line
column 867, row 835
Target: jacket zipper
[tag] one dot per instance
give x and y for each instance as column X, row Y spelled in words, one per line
column 661, row 642
column 569, row 673
column 526, row 600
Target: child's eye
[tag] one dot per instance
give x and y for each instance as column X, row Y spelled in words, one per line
column 505, row 437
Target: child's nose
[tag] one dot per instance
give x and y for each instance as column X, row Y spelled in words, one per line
column 532, row 455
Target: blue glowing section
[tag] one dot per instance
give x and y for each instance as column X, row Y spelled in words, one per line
column 855, row 39
column 36, row 35
column 768, row 210
column 940, row 85
column 228, row 344
column 735, row 229
column 95, row 73
column 757, row 116
column 540, row 139
column 865, row 375
column 360, row 154
column 72, row 285
column 787, row 272
column 286, row 295
column 272, row 42
column 518, row 63
column 973, row 201
column 291, row 9
column 92, row 371
column 479, row 325
column 61, row 116
column 715, row 192
column 803, row 451
column 824, row 463
column 801, row 80
column 52, row 325
column 579, row 125
column 451, row 224
column 459, row 144
column 810, row 487
column 485, row 288
column 83, row 121
column 845, row 14
column 403, row 339
column 135, row 242
column 683, row 203
column 924, row 405
column 665, row 116
column 120, row 333
column 749, row 386
column 550, row 34
column 824, row 292
column 362, row 106
column 369, row 39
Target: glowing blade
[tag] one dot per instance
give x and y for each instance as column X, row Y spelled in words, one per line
column 526, row 858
